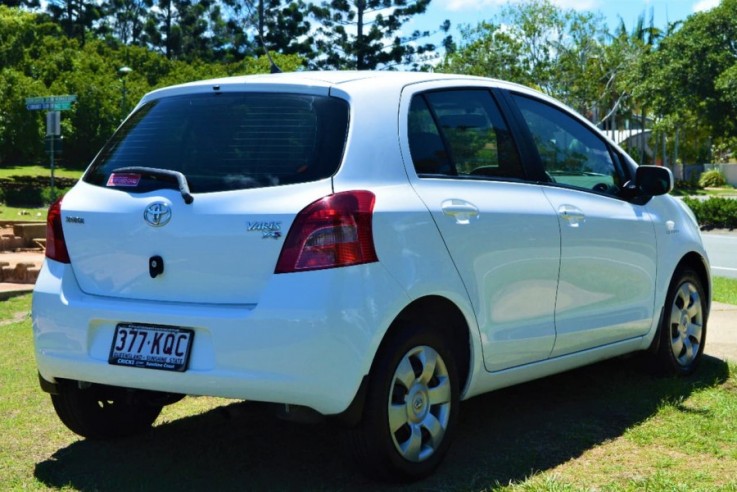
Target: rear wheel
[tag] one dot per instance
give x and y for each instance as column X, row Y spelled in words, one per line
column 411, row 407
column 683, row 330
column 102, row 412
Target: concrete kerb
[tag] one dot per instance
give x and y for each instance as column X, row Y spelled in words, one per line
column 8, row 290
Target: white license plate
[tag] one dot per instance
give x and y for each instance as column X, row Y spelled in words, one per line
column 151, row 347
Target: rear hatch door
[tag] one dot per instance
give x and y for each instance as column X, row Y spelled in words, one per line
column 252, row 161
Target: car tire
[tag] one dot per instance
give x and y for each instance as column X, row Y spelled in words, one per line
column 411, row 407
column 682, row 332
column 102, row 412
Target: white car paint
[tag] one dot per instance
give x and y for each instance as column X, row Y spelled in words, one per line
column 310, row 338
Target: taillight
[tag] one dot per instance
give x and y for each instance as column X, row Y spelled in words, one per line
column 332, row 232
column 56, row 247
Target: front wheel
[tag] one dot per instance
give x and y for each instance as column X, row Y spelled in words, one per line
column 411, row 407
column 102, row 412
column 683, row 329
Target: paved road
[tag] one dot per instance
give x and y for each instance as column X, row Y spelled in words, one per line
column 722, row 250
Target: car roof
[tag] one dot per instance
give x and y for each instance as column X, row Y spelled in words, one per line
column 324, row 80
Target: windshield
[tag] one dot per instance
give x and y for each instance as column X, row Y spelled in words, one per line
column 227, row 141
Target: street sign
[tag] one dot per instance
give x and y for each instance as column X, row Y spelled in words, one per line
column 50, row 103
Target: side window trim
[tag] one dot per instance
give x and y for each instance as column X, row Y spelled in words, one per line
column 443, row 137
column 531, row 162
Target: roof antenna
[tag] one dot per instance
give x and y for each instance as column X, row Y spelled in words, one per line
column 274, row 67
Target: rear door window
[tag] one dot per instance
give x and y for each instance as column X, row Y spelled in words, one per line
column 461, row 133
column 229, row 141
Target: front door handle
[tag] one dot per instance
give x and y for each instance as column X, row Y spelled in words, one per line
column 461, row 210
column 573, row 215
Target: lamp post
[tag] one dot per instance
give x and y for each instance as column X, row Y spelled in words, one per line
column 124, row 71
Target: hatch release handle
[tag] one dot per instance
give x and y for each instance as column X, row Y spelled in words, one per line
column 155, row 266
column 181, row 178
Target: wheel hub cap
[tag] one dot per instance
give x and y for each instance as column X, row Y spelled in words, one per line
column 686, row 323
column 419, row 404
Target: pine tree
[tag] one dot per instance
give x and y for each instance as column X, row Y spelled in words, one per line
column 361, row 34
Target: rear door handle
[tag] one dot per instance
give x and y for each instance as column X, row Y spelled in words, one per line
column 573, row 215
column 461, row 210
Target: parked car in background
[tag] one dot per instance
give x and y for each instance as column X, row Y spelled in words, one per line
column 369, row 247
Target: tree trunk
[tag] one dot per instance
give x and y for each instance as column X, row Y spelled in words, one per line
column 360, row 48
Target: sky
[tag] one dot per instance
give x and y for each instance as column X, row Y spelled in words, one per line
column 474, row 11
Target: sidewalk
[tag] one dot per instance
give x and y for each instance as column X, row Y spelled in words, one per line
column 721, row 334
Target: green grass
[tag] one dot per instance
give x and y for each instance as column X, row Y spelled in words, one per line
column 611, row 426
column 723, row 191
column 725, row 290
column 6, row 172
column 24, row 214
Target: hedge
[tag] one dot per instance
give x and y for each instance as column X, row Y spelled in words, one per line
column 30, row 191
column 714, row 213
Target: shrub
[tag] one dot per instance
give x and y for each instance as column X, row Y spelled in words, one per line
column 712, row 179
column 715, row 212
column 30, row 191
column 48, row 197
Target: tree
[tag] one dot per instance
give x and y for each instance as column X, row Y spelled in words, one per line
column 38, row 60
column 361, row 34
column 75, row 16
column 161, row 31
column 535, row 43
column 286, row 28
column 693, row 73
column 488, row 51
column 124, row 19
column 29, row 4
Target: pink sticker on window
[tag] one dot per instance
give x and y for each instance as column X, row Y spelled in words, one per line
column 123, row 179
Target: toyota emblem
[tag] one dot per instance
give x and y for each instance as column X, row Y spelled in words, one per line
column 157, row 214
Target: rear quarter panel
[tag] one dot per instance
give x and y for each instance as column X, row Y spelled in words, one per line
column 407, row 241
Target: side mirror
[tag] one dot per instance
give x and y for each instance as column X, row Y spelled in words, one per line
column 653, row 180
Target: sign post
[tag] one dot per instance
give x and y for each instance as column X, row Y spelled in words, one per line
column 52, row 105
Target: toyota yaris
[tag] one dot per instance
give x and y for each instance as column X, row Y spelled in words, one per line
column 369, row 247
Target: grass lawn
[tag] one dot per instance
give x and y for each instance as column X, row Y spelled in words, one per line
column 725, row 290
column 725, row 191
column 25, row 214
column 611, row 426
column 6, row 172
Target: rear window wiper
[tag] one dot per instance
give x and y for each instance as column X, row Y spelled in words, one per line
column 152, row 171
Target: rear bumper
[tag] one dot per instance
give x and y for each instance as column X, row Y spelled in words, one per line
column 309, row 341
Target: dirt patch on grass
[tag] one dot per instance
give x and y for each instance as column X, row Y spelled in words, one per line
column 15, row 318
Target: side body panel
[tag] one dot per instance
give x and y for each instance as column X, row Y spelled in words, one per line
column 607, row 273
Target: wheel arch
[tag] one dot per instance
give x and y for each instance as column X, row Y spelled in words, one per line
column 443, row 314
column 698, row 264
column 437, row 312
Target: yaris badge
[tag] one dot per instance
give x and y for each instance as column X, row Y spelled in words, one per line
column 157, row 214
column 268, row 229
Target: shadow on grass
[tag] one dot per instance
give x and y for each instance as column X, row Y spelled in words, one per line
column 503, row 437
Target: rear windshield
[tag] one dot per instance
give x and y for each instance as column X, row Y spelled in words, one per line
column 227, row 141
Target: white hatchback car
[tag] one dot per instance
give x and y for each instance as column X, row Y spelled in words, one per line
column 370, row 247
